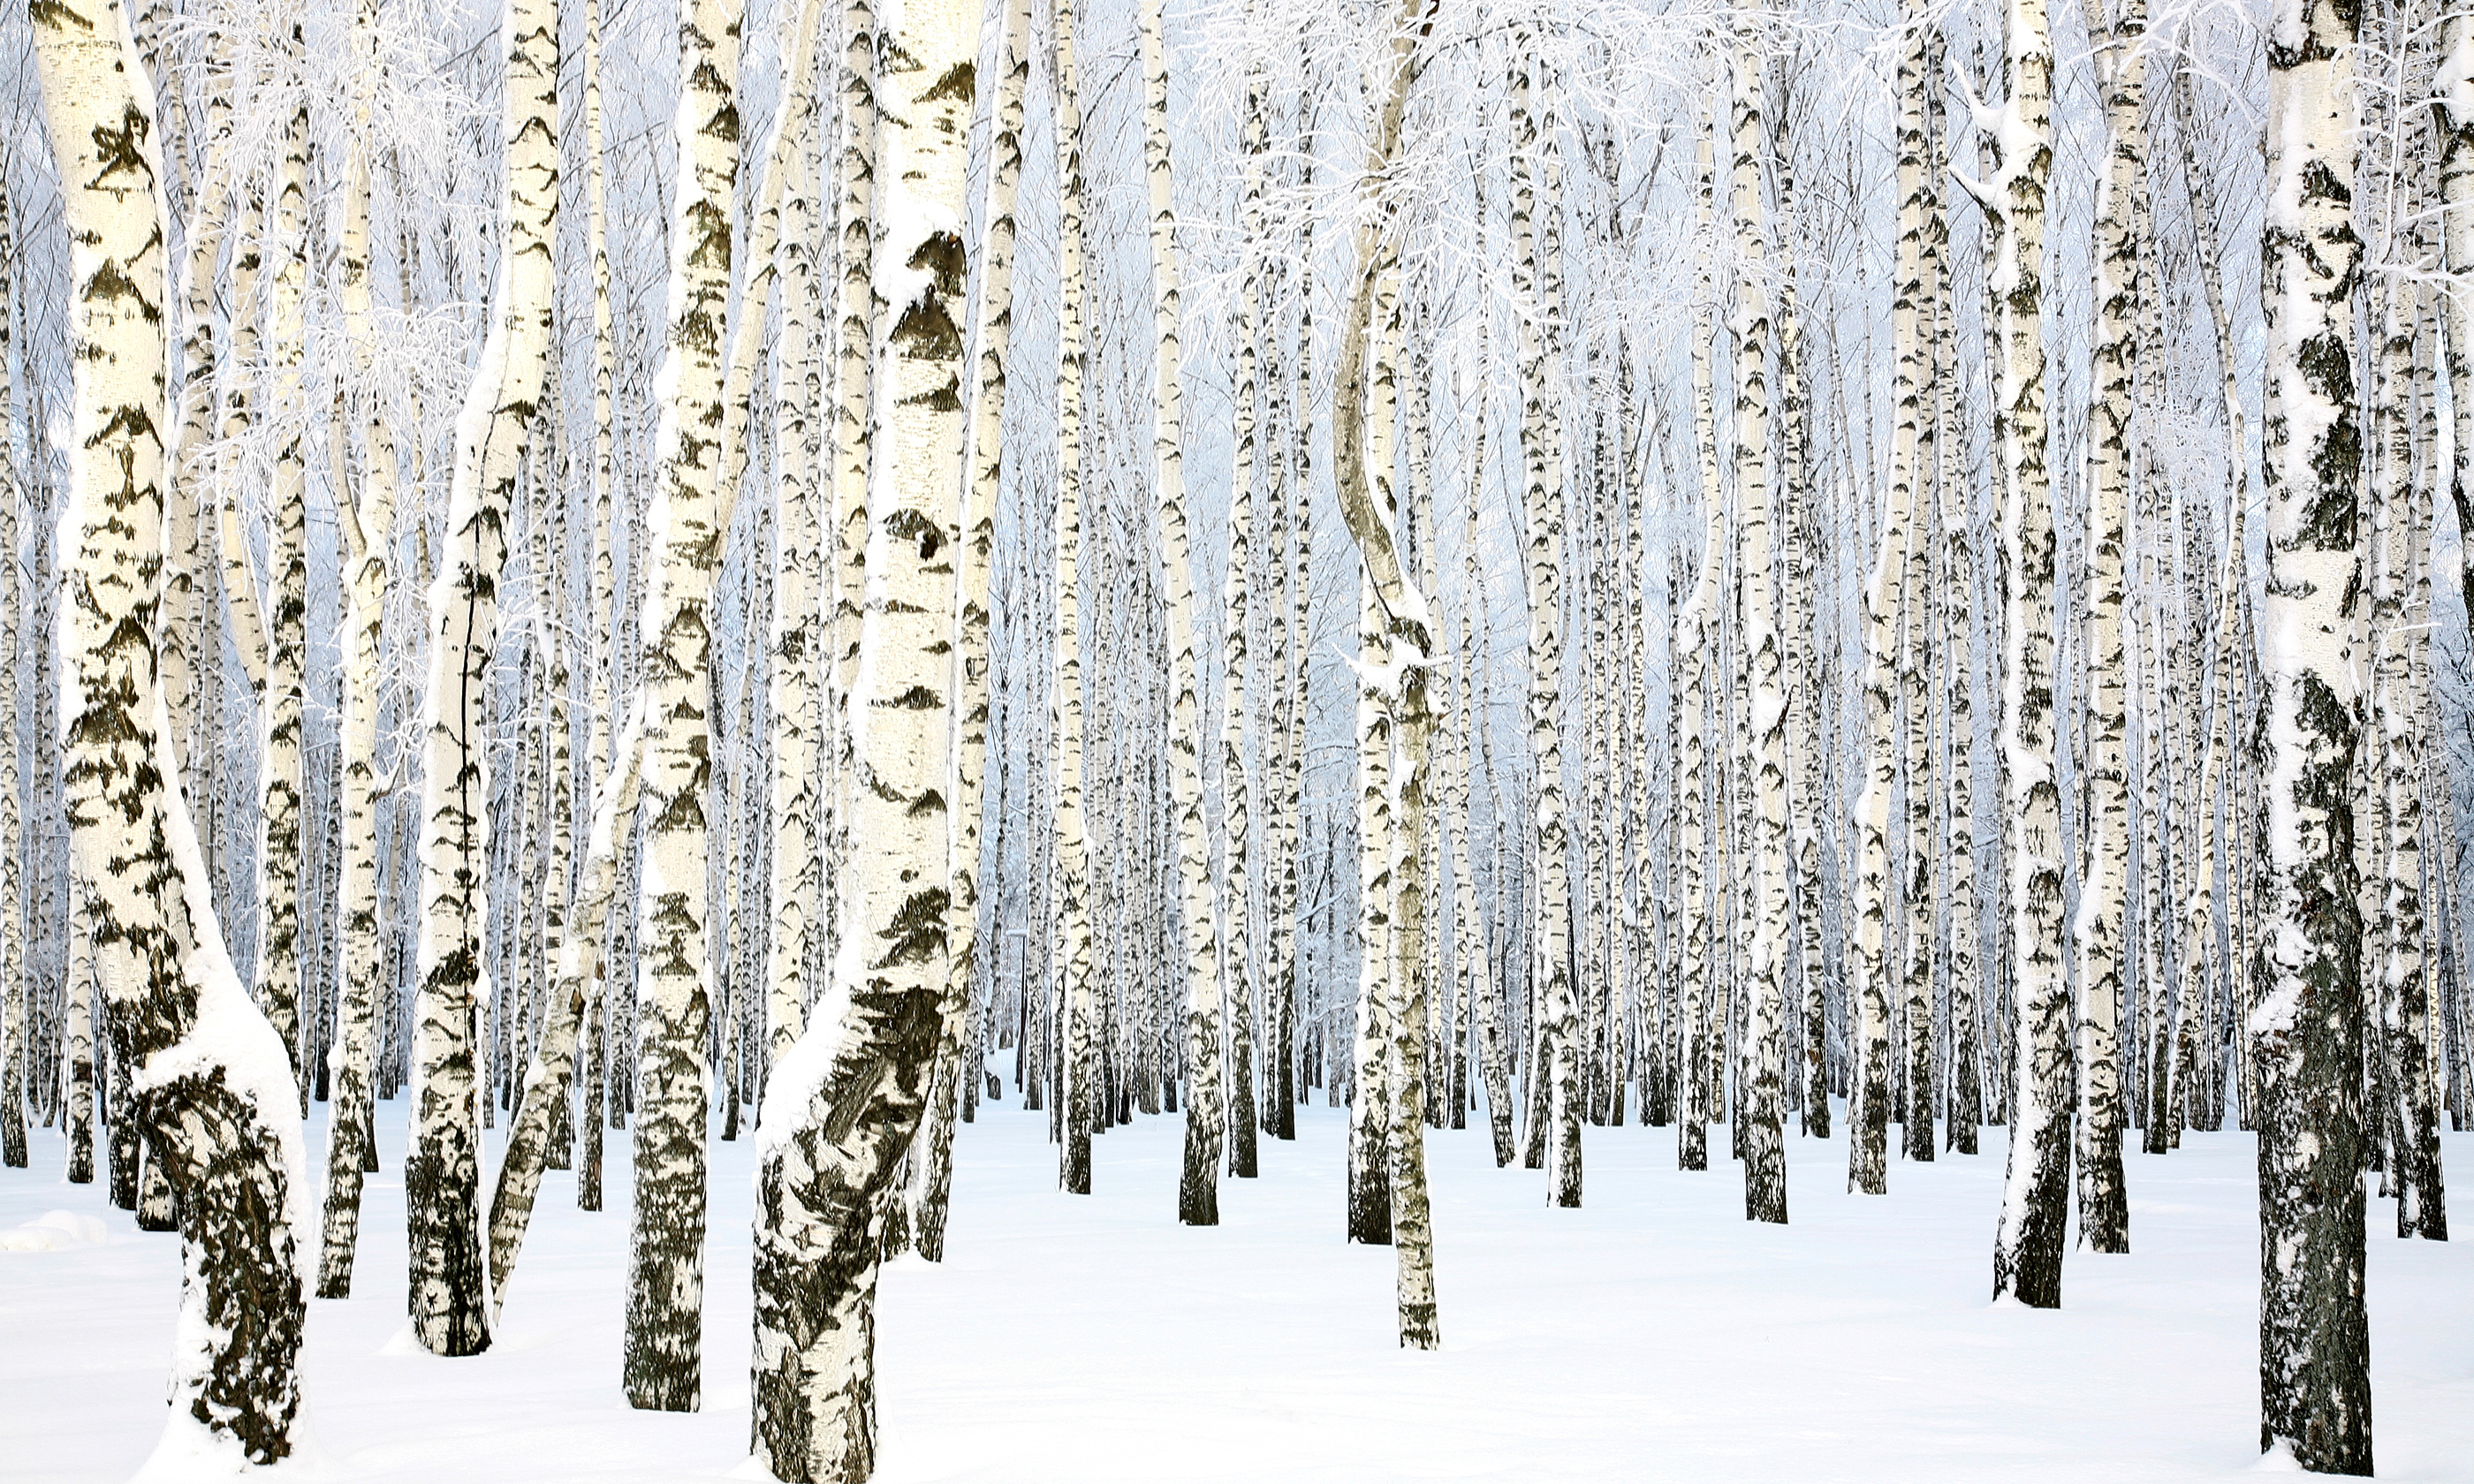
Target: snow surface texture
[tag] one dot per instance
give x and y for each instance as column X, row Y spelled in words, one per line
column 1654, row 1334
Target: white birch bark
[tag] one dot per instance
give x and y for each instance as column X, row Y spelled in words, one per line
column 603, row 612
column 1199, row 1188
column 2307, row 1029
column 1236, row 894
column 210, row 1079
column 846, row 1103
column 442, row 1176
column 794, row 700
column 664, row 1368
column 2035, row 1207
column 983, row 466
column 1764, row 1149
column 367, row 515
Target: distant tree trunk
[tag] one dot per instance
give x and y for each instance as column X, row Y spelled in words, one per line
column 1236, row 894
column 441, row 1178
column 77, row 1043
column 13, row 985
column 218, row 1106
column 846, row 1102
column 2035, row 1206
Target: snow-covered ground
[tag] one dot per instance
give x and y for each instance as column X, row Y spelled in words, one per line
column 1654, row 1334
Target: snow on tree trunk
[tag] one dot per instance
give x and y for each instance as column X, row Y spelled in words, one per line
column 1764, row 1150
column 846, row 1102
column 604, row 600
column 210, row 1081
column 442, row 1178
column 2035, row 1204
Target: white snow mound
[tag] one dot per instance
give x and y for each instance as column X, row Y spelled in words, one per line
column 55, row 1230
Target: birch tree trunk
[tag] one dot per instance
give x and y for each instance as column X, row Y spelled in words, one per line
column 674, row 1008
column 1079, row 1052
column 442, row 1178
column 983, row 465
column 1539, row 285
column 2036, row 1204
column 368, row 518
column 1394, row 680
column 2122, row 66
column 793, row 702
column 2307, row 1027
column 1198, row 1189
column 604, row 612
column 1236, row 881
column 1370, row 1119
column 211, row 1081
column 1764, row 1150
column 846, row 1102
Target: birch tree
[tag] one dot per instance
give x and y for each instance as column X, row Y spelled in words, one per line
column 442, row 1178
column 846, row 1102
column 2307, row 1027
column 212, row 1083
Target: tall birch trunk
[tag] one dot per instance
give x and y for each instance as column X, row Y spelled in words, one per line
column 1198, row 1189
column 983, row 466
column 604, row 600
column 368, row 518
column 1236, row 894
column 1764, row 1149
column 1394, row 664
column 1538, row 274
column 2036, row 1204
column 442, row 1178
column 1079, row 1050
column 2307, row 1027
column 663, row 1366
column 846, row 1102
column 2122, row 66
column 211, row 1077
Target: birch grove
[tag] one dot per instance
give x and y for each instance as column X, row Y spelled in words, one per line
column 595, row 600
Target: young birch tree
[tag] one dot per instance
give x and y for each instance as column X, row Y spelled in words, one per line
column 442, row 1176
column 846, row 1103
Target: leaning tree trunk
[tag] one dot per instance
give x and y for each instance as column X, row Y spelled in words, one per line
column 663, row 1366
column 212, row 1083
column 2307, row 1027
column 846, row 1101
column 442, row 1177
column 2036, row 1204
